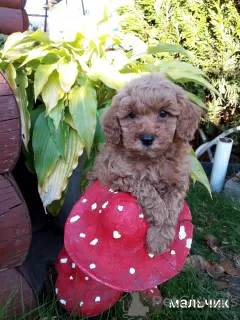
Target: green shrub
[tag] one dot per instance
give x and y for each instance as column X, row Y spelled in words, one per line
column 63, row 87
column 210, row 30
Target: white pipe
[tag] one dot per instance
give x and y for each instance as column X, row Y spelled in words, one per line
column 220, row 164
column 201, row 150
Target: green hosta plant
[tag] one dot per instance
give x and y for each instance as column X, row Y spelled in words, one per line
column 63, row 87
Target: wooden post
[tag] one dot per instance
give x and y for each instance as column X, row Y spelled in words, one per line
column 14, row 4
column 10, row 129
column 16, row 296
column 15, row 226
column 13, row 20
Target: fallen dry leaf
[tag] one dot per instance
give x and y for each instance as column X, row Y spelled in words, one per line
column 199, row 263
column 236, row 260
column 229, row 267
column 215, row 271
column 212, row 242
column 196, row 261
column 222, row 284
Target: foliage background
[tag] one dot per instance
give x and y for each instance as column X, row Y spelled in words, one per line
column 63, row 87
column 210, row 30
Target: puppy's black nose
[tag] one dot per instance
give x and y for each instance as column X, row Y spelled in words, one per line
column 147, row 139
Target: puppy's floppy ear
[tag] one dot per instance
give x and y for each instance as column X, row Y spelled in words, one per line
column 188, row 119
column 110, row 123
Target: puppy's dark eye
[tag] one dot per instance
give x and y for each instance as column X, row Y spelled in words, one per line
column 132, row 115
column 163, row 114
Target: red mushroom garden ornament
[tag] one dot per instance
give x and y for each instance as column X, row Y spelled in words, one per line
column 105, row 237
column 79, row 293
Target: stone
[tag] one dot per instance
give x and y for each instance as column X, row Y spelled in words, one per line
column 232, row 189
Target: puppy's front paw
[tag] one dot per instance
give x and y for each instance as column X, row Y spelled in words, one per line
column 159, row 239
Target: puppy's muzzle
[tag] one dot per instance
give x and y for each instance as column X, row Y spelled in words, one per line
column 147, row 139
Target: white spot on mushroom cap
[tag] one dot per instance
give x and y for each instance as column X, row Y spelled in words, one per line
column 105, row 205
column 120, row 208
column 115, row 192
column 116, row 235
column 132, row 270
column 92, row 266
column 182, row 234
column 86, row 278
column 141, row 216
column 111, row 190
column 173, row 252
column 82, row 235
column 151, row 255
column 188, row 243
column 94, row 242
column 84, row 200
column 56, row 290
column 63, row 302
column 73, row 265
column 100, row 211
column 156, row 287
column 71, row 277
column 63, row 260
column 97, row 299
column 81, row 303
column 94, row 206
column 152, row 291
column 75, row 218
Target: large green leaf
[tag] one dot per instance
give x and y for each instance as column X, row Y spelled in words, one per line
column 99, row 139
column 182, row 77
column 197, row 171
column 168, row 47
column 46, row 153
column 11, row 75
column 67, row 73
column 83, row 106
column 192, row 97
column 99, row 134
column 41, row 77
column 69, row 119
column 36, row 53
column 19, row 40
column 12, row 40
column 52, row 92
column 29, row 156
column 160, row 48
column 58, row 135
column 37, row 35
column 54, row 207
column 81, row 60
column 56, row 114
column 179, row 65
column 57, row 181
column 21, row 96
column 77, row 42
column 105, row 72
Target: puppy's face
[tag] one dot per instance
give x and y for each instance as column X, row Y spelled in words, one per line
column 148, row 123
column 148, row 114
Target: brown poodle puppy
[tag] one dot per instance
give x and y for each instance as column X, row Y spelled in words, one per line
column 148, row 128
